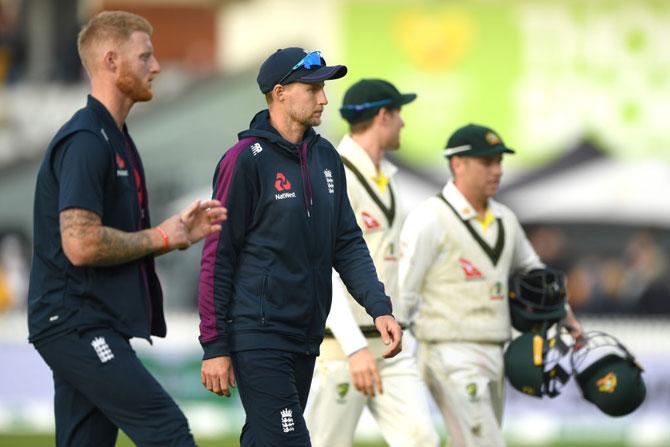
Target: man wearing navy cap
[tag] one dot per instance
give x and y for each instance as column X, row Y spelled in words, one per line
column 458, row 249
column 265, row 281
column 352, row 352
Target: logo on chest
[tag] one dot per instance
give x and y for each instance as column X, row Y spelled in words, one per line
column 329, row 180
column 256, row 149
column 121, row 170
column 370, row 222
column 287, row 423
column 283, row 185
column 470, row 271
column 496, row 292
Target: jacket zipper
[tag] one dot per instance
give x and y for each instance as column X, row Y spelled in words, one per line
column 134, row 162
column 261, row 299
column 306, row 180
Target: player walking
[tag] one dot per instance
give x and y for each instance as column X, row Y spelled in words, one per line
column 458, row 249
column 351, row 353
column 93, row 285
column 265, row 282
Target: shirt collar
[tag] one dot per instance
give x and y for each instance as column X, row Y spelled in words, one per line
column 105, row 117
column 465, row 210
column 356, row 154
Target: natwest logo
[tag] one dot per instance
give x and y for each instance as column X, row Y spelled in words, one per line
column 121, row 170
column 282, row 183
column 119, row 162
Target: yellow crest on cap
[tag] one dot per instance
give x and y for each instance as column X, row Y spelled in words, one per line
column 492, row 138
column 529, row 390
column 607, row 383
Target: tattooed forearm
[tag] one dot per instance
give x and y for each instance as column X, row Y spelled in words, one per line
column 117, row 247
column 87, row 242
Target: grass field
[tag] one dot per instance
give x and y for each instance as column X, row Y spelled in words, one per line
column 47, row 441
column 7, row 440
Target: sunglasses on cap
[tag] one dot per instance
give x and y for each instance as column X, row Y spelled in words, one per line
column 311, row 59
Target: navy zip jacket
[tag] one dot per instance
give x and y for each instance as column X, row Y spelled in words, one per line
column 265, row 280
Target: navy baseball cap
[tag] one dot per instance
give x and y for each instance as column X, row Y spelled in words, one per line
column 288, row 65
column 363, row 99
column 474, row 140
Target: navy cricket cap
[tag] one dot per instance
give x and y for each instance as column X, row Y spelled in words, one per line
column 474, row 140
column 288, row 65
column 363, row 99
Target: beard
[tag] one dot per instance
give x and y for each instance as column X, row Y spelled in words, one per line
column 312, row 121
column 132, row 86
column 304, row 117
column 308, row 121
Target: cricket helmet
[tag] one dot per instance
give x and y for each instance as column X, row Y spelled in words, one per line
column 537, row 365
column 608, row 374
column 536, row 298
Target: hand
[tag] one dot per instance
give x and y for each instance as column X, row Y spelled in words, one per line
column 194, row 223
column 391, row 334
column 202, row 219
column 573, row 326
column 364, row 372
column 217, row 375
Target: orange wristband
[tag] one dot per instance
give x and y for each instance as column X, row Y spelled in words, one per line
column 166, row 239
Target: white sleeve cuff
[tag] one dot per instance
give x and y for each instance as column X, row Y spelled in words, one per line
column 342, row 322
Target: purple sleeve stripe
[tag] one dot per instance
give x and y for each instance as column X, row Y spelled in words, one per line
column 206, row 307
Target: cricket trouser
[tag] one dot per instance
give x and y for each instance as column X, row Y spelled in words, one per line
column 466, row 380
column 402, row 412
column 101, row 386
column 273, row 387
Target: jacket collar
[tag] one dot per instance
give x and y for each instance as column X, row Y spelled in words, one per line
column 464, row 209
column 353, row 151
column 109, row 125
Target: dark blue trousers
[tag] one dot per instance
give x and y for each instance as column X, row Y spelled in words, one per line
column 101, row 386
column 273, row 387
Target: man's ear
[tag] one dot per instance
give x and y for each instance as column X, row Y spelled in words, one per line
column 278, row 93
column 455, row 163
column 110, row 60
column 381, row 116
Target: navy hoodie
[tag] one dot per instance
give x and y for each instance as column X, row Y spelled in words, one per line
column 265, row 280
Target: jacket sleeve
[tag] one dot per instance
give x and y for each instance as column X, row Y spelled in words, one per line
column 221, row 250
column 351, row 259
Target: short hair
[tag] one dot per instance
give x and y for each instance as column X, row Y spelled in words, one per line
column 116, row 26
column 451, row 168
column 362, row 126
